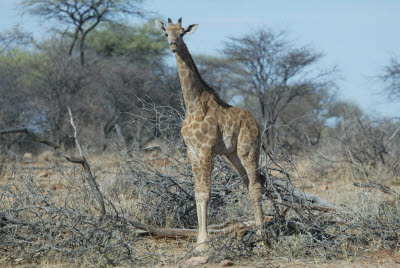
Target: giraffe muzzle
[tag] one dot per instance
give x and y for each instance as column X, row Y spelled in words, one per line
column 173, row 47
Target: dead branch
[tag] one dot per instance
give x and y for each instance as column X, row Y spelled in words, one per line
column 78, row 145
column 88, row 174
column 225, row 228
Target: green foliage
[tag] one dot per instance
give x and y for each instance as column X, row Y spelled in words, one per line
column 16, row 56
column 13, row 65
column 115, row 39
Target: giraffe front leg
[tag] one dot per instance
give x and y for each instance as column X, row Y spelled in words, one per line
column 202, row 164
column 202, row 200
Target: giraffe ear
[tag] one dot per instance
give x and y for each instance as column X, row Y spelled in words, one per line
column 191, row 29
column 160, row 25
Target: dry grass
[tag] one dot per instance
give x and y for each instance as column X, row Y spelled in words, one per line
column 65, row 184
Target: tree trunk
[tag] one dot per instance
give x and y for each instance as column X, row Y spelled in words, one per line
column 82, row 52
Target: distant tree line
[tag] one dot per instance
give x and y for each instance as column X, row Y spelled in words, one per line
column 104, row 70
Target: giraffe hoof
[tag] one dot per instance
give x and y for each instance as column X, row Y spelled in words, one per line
column 203, row 240
column 201, row 247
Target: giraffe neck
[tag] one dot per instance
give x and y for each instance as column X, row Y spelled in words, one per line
column 191, row 82
column 193, row 85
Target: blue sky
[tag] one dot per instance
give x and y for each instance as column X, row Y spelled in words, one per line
column 358, row 36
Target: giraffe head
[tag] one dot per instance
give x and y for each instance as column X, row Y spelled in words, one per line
column 175, row 33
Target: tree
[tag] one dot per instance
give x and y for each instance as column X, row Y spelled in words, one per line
column 83, row 16
column 12, row 69
column 391, row 77
column 53, row 81
column 274, row 72
column 133, row 72
column 37, row 85
column 141, row 42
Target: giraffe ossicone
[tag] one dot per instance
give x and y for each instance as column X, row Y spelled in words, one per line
column 211, row 127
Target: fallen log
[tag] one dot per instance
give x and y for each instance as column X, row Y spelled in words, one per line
column 191, row 234
column 240, row 225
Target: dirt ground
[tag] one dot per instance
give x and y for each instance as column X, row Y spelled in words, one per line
column 381, row 258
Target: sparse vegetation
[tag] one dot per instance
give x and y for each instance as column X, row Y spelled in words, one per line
column 54, row 215
column 331, row 193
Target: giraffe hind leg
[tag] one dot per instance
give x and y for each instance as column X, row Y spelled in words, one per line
column 235, row 161
column 248, row 154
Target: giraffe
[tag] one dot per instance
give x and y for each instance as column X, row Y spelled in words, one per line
column 211, row 127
